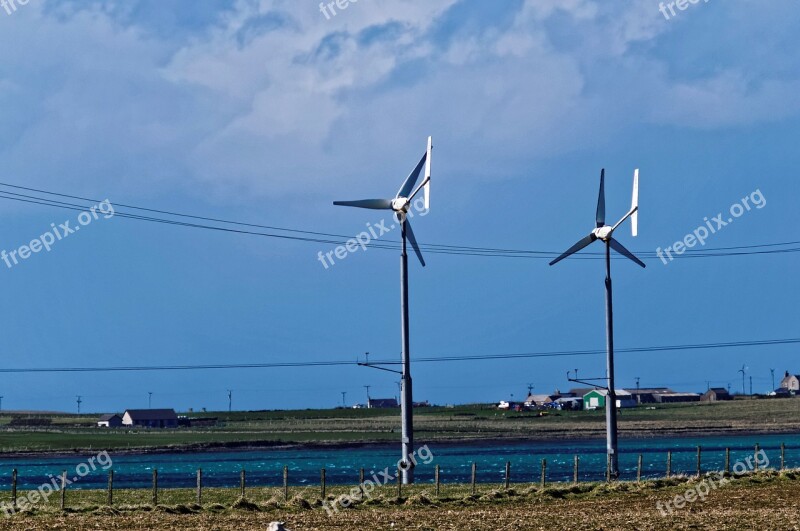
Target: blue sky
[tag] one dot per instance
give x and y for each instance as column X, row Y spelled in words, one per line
column 268, row 111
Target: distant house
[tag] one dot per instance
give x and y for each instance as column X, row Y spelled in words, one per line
column 596, row 399
column 109, row 421
column 716, row 394
column 539, row 400
column 150, row 418
column 790, row 382
column 382, row 403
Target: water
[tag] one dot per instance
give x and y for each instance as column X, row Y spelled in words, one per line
column 265, row 467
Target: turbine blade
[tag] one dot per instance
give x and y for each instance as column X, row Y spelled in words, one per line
column 601, row 200
column 624, row 252
column 373, row 204
column 635, row 204
column 411, row 180
column 575, row 248
column 413, row 240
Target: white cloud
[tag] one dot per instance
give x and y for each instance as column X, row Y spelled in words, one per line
column 274, row 99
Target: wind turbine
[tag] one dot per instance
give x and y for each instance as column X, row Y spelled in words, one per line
column 604, row 233
column 400, row 206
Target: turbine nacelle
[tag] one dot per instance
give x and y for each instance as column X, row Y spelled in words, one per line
column 603, row 233
column 401, row 205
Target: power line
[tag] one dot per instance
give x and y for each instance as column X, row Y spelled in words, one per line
column 440, row 359
column 340, row 239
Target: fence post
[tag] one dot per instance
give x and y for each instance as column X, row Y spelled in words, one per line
column 669, row 464
column 322, row 482
column 755, row 460
column 199, row 486
column 783, row 456
column 544, row 473
column 399, row 483
column 639, row 470
column 699, row 466
column 63, row 490
column 508, row 474
column 608, row 468
column 243, row 482
column 437, row 479
column 474, row 477
column 110, row 488
column 285, row 483
column 155, row 487
column 727, row 460
column 14, row 488
column 575, row 470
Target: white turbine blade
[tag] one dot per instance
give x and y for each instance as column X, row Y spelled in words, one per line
column 635, row 204
column 428, row 175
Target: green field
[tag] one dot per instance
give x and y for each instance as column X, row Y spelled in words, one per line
column 343, row 426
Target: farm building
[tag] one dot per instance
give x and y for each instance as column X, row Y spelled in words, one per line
column 109, row 421
column 676, row 398
column 150, row 418
column 716, row 393
column 382, row 403
column 790, row 382
column 647, row 395
column 596, row 399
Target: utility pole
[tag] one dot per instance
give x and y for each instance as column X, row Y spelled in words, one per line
column 149, row 400
column 530, row 389
column 344, row 399
column 367, row 387
column 230, row 400
column 751, row 386
column 637, row 383
column 79, row 404
column 772, row 372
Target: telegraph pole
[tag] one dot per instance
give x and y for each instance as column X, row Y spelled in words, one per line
column 367, row 387
column 751, row 386
column 637, row 383
column 79, row 404
column 230, row 400
column 344, row 399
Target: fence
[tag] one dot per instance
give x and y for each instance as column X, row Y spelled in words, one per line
column 286, row 489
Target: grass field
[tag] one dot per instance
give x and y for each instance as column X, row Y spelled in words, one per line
column 69, row 433
column 765, row 500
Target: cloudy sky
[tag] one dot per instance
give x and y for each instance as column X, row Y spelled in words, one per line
column 266, row 111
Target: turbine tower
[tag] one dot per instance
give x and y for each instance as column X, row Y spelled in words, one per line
column 400, row 205
column 604, row 233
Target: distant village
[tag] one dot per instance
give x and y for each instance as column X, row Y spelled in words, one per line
column 591, row 398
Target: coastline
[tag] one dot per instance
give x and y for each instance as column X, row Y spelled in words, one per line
column 250, row 446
